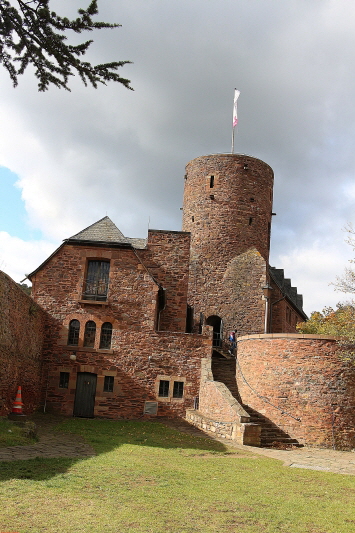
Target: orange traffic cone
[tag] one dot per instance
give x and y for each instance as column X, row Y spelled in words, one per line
column 17, row 406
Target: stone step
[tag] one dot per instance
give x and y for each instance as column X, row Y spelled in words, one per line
column 223, row 370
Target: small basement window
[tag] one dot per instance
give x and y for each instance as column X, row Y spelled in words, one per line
column 108, row 383
column 164, row 388
column 64, row 380
column 178, row 390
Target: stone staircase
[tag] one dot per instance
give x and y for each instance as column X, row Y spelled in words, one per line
column 271, row 434
column 224, row 370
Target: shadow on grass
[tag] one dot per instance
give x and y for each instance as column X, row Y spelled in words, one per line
column 103, row 436
column 37, row 469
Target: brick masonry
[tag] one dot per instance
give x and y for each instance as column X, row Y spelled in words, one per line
column 220, row 413
column 227, row 208
column 22, row 324
column 304, row 376
column 142, row 352
column 215, row 268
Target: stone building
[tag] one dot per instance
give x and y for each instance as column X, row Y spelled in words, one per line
column 139, row 327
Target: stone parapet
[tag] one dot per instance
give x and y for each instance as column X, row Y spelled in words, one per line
column 302, row 384
column 241, row 433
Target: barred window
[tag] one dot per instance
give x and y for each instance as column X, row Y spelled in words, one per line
column 73, row 335
column 178, row 390
column 106, row 336
column 96, row 283
column 89, row 335
column 108, row 383
column 64, row 380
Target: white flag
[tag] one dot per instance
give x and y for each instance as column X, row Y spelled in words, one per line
column 235, row 115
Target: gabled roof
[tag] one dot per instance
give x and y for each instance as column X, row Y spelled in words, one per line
column 102, row 233
column 104, row 230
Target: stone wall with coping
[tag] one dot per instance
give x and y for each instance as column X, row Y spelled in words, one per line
column 286, row 377
column 219, row 412
column 22, row 328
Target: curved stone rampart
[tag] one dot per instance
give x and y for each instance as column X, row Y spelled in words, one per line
column 302, row 384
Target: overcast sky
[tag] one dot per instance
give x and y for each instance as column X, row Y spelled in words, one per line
column 68, row 159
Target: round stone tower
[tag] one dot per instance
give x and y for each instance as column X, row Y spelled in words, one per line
column 227, row 209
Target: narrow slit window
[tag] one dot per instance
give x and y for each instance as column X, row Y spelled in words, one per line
column 192, row 219
column 108, row 383
column 250, row 221
column 106, row 336
column 89, row 335
column 73, row 335
column 164, row 388
column 178, row 390
column 211, row 182
column 64, row 380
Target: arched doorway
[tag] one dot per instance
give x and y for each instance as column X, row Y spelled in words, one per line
column 217, row 324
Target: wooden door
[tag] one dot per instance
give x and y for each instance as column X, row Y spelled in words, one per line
column 85, row 395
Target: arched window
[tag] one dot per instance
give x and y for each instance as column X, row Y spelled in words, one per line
column 73, row 336
column 106, row 335
column 89, row 335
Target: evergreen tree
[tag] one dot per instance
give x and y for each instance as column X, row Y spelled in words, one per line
column 32, row 34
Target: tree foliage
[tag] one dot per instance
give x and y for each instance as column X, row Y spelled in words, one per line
column 32, row 34
column 330, row 321
column 339, row 322
column 346, row 282
column 25, row 288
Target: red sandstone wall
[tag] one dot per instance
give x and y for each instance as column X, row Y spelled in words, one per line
column 21, row 338
column 304, row 376
column 226, row 222
column 137, row 367
column 216, row 401
column 139, row 356
column 168, row 259
column 281, row 320
column 220, row 226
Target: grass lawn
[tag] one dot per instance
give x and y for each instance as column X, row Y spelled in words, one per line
column 148, row 478
column 12, row 434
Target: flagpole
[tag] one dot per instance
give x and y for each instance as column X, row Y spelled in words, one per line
column 232, row 151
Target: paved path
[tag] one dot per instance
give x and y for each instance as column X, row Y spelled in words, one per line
column 326, row 460
column 57, row 444
column 51, row 444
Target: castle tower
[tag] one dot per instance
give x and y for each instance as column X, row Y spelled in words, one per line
column 227, row 209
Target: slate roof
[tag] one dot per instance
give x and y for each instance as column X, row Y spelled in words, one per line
column 287, row 290
column 105, row 231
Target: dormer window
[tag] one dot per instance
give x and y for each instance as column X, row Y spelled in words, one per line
column 96, row 282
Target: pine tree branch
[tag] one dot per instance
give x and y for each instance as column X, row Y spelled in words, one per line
column 34, row 35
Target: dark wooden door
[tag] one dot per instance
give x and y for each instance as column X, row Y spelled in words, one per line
column 85, row 394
